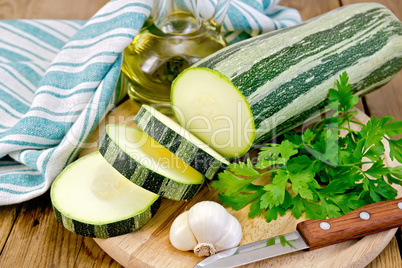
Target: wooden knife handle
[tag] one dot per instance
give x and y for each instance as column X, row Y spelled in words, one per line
column 363, row 221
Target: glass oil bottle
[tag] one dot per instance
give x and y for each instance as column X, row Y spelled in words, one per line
column 177, row 35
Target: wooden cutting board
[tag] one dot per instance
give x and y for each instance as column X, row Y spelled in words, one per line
column 150, row 246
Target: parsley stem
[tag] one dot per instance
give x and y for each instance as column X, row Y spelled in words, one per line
column 357, row 123
column 265, row 173
column 356, row 164
column 361, row 171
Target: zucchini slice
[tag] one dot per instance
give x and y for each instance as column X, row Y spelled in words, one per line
column 208, row 105
column 148, row 164
column 91, row 198
column 180, row 141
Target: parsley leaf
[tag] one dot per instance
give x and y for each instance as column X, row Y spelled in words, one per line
column 313, row 210
column 239, row 200
column 245, row 169
column 343, row 95
column 298, row 207
column 301, row 183
column 396, row 172
column 395, row 175
column 373, row 131
column 269, row 157
column 375, row 152
column 347, row 202
column 271, row 214
column 394, row 128
column 329, row 209
column 275, row 191
column 230, row 182
column 255, row 208
column 298, row 163
column 396, row 150
column 377, row 170
column 287, row 150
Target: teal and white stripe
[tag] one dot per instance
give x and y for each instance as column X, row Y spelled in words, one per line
column 58, row 77
column 247, row 18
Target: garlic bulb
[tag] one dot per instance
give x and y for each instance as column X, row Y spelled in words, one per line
column 206, row 228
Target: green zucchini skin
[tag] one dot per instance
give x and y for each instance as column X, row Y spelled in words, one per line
column 111, row 229
column 141, row 175
column 285, row 75
column 186, row 150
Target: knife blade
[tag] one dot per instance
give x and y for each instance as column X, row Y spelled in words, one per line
column 313, row 234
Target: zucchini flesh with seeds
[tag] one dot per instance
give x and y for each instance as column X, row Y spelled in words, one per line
column 283, row 77
column 213, row 109
column 91, row 198
column 148, row 164
column 180, row 141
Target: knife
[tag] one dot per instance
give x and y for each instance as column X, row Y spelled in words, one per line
column 313, row 234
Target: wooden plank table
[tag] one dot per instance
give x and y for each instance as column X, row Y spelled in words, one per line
column 30, row 236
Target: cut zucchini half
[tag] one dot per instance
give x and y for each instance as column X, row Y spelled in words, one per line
column 180, row 141
column 148, row 164
column 91, row 198
column 208, row 105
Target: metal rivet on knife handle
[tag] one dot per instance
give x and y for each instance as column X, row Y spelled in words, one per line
column 364, row 215
column 400, row 205
column 325, row 225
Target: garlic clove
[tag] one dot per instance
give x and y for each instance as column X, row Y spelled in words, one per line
column 232, row 235
column 180, row 234
column 208, row 221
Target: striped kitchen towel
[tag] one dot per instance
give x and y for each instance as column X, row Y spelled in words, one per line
column 58, row 77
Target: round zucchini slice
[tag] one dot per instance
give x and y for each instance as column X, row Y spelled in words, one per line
column 148, row 164
column 208, row 105
column 180, row 141
column 91, row 198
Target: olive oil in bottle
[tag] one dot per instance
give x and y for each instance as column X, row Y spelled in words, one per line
column 164, row 47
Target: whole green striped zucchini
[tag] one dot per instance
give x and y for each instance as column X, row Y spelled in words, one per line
column 255, row 90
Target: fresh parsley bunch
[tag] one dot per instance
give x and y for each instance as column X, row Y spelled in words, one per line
column 319, row 172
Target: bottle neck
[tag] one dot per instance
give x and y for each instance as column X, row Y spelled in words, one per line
column 175, row 17
column 172, row 17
